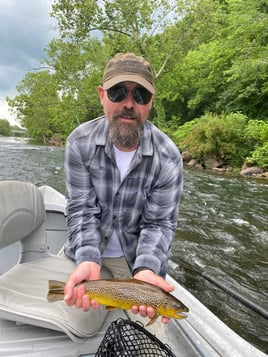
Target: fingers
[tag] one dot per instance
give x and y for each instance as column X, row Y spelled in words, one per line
column 149, row 312
column 143, row 311
column 80, row 299
column 150, row 277
column 76, row 295
column 165, row 320
column 87, row 303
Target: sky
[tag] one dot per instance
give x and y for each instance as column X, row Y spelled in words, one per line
column 26, row 28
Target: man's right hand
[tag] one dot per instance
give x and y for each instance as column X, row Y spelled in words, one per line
column 76, row 295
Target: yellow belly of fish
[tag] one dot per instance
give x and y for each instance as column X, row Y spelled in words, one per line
column 111, row 301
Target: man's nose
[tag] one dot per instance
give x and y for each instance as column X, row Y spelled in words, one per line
column 129, row 100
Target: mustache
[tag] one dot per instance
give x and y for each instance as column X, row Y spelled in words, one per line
column 126, row 113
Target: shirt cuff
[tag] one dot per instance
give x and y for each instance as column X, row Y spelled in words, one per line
column 137, row 270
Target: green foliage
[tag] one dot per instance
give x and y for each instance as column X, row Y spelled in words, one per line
column 5, row 128
column 231, row 138
column 259, row 156
column 218, row 136
column 208, row 56
column 37, row 105
column 183, row 132
column 257, row 132
column 227, row 72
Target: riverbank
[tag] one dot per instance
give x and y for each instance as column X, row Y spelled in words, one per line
column 210, row 166
column 217, row 167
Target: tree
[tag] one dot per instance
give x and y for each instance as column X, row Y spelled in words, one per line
column 5, row 128
column 92, row 32
column 246, row 79
column 229, row 72
column 183, row 86
column 37, row 105
column 207, row 56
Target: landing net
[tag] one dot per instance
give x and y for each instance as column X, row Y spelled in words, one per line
column 128, row 338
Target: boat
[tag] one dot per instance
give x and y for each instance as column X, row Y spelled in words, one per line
column 32, row 232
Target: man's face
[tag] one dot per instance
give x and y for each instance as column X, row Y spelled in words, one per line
column 126, row 117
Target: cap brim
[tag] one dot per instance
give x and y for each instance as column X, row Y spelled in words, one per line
column 129, row 78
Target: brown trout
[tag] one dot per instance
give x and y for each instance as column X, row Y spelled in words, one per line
column 125, row 293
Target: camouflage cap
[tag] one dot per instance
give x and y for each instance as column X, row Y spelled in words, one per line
column 128, row 67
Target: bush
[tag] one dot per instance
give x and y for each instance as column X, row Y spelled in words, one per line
column 257, row 132
column 218, row 136
column 5, row 129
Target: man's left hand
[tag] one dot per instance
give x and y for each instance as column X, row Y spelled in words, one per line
column 149, row 276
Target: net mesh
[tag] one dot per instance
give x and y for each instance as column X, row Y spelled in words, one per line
column 128, row 338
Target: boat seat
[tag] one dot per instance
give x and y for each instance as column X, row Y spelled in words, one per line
column 23, row 288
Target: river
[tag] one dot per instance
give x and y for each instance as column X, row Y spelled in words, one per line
column 223, row 230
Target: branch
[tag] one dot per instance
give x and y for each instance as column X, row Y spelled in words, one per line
column 41, row 68
column 161, row 19
column 108, row 29
column 163, row 65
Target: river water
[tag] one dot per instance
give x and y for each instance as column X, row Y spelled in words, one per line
column 223, row 231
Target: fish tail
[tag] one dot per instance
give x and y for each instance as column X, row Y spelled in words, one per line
column 55, row 290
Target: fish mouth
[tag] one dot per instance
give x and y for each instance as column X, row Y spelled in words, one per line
column 181, row 315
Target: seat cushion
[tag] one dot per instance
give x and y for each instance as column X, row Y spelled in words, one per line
column 23, row 298
column 22, row 211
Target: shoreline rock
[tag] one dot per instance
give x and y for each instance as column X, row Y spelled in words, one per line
column 217, row 166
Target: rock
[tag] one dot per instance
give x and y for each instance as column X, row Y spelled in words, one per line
column 186, row 156
column 199, row 167
column 219, row 169
column 249, row 171
column 212, row 163
column 192, row 163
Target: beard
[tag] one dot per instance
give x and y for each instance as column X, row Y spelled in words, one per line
column 126, row 135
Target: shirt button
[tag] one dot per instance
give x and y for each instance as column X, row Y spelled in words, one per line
column 114, row 217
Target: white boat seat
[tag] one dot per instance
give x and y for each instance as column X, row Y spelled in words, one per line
column 23, row 288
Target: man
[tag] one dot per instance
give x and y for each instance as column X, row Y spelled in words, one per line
column 124, row 182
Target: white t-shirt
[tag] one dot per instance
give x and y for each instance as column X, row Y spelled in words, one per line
column 123, row 159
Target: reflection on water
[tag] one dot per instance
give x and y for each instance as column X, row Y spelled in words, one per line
column 222, row 229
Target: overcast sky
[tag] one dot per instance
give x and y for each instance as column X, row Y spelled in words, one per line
column 25, row 30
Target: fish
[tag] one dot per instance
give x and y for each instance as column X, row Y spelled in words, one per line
column 125, row 293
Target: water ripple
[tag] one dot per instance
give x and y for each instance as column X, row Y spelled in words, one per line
column 223, row 230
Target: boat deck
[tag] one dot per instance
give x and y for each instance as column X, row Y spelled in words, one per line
column 201, row 334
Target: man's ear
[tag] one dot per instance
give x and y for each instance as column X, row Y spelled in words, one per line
column 101, row 93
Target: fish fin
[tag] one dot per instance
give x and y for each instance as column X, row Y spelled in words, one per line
column 110, row 307
column 55, row 290
column 152, row 320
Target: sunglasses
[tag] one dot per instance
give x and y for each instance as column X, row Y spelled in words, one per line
column 117, row 94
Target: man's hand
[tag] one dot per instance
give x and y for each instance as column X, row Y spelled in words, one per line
column 76, row 295
column 150, row 277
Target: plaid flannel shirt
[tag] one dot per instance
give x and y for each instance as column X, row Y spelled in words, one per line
column 143, row 208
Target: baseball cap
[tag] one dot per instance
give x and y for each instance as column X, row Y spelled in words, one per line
column 128, row 67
